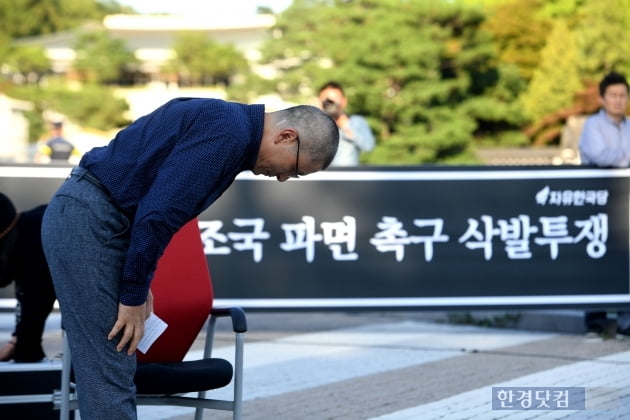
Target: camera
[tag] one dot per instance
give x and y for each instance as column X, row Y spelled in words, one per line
column 332, row 108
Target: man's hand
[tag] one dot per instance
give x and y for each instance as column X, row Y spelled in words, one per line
column 131, row 323
column 343, row 122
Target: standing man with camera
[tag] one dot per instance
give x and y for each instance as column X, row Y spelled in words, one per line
column 355, row 135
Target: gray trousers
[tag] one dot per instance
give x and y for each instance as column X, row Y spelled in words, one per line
column 85, row 239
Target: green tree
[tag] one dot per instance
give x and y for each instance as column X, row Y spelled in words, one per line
column 21, row 18
column 519, row 29
column 410, row 67
column 200, row 60
column 5, row 47
column 603, row 38
column 95, row 106
column 101, row 58
column 556, row 80
column 92, row 106
column 30, row 61
column 563, row 9
column 498, row 111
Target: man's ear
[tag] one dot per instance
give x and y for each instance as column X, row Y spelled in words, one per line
column 286, row 135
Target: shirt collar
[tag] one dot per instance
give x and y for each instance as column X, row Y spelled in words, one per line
column 603, row 114
column 257, row 114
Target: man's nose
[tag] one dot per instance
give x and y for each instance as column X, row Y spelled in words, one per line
column 282, row 178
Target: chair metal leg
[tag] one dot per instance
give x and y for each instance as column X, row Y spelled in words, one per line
column 64, row 412
column 237, row 406
column 238, row 377
column 207, row 353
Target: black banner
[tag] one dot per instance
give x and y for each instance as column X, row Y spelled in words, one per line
column 409, row 237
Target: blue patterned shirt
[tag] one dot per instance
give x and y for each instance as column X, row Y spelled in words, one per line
column 169, row 166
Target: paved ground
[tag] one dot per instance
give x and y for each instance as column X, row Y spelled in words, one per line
column 406, row 365
column 418, row 366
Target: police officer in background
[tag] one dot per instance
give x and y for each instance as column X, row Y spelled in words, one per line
column 57, row 149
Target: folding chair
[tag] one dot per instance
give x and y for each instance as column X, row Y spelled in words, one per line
column 182, row 289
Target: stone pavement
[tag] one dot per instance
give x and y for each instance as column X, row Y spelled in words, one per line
column 398, row 366
column 405, row 365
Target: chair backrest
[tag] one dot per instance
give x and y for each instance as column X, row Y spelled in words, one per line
column 182, row 291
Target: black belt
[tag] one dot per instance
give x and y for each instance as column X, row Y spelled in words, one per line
column 83, row 173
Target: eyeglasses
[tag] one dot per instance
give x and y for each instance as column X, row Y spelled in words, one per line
column 297, row 157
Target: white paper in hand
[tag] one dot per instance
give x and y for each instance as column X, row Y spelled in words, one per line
column 153, row 328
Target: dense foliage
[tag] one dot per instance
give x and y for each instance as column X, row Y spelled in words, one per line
column 424, row 73
column 199, row 60
column 435, row 79
column 21, row 18
column 94, row 106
